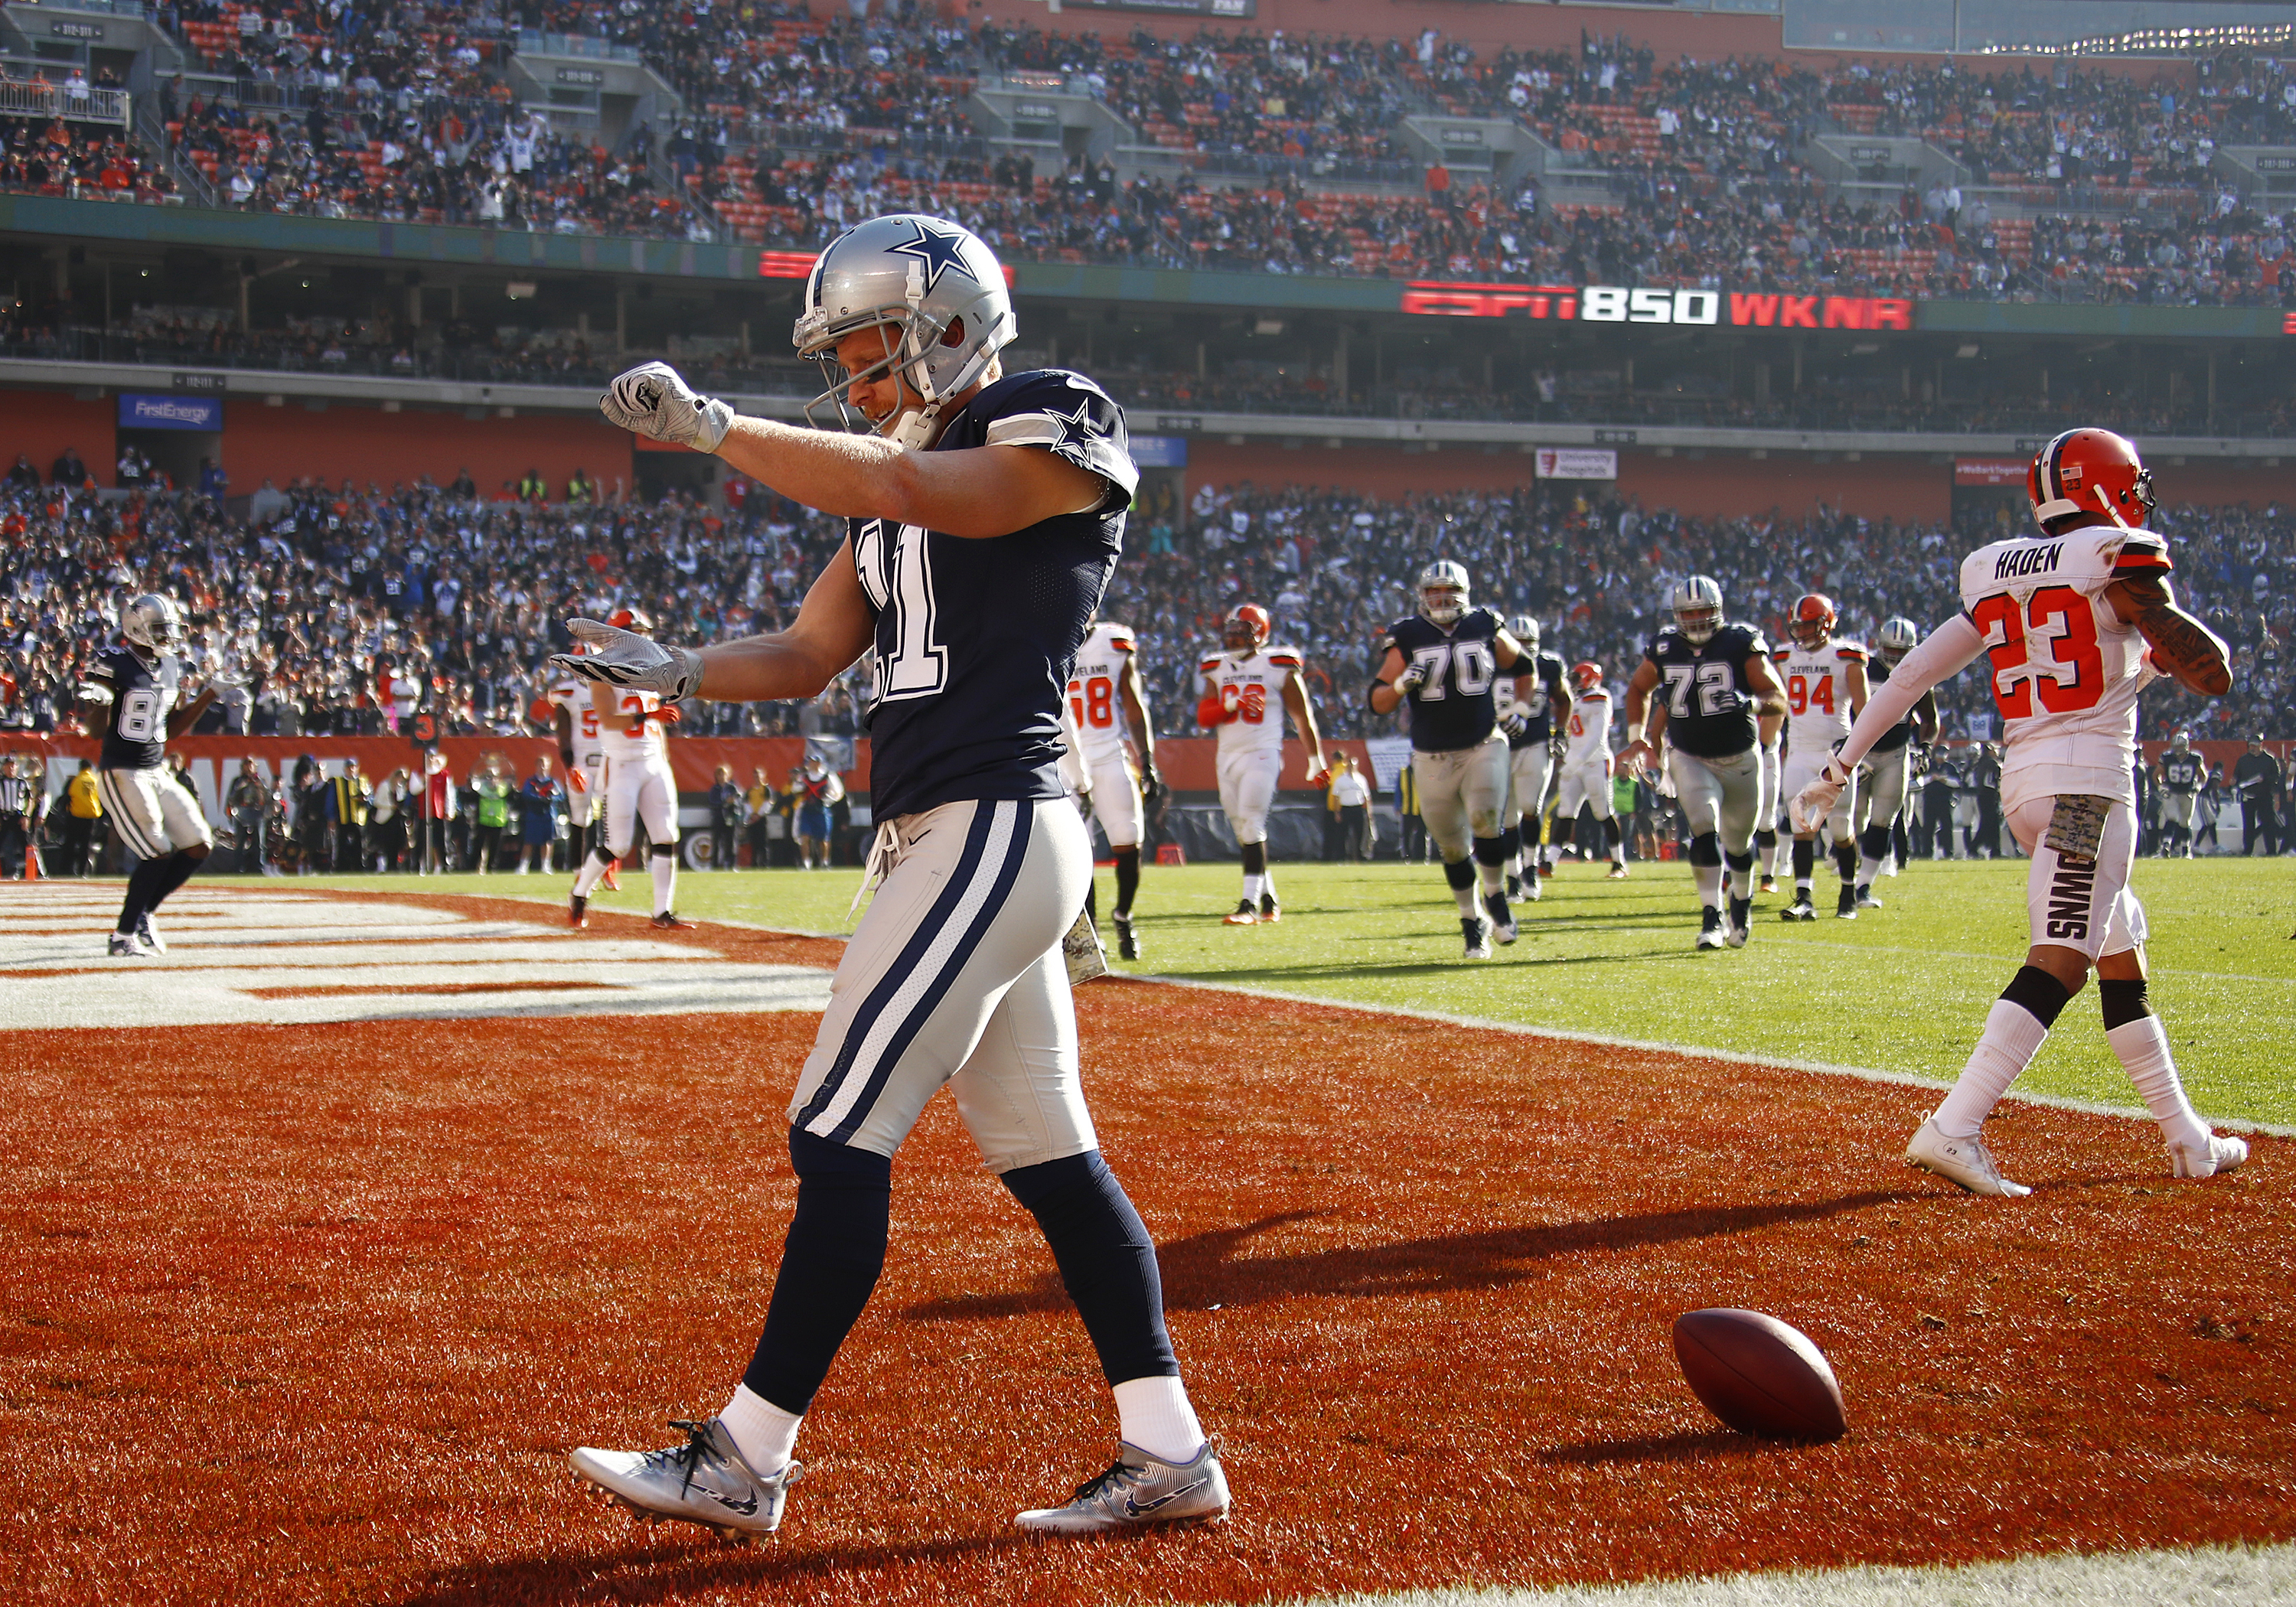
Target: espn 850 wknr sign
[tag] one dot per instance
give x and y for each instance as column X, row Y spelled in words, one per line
column 1622, row 304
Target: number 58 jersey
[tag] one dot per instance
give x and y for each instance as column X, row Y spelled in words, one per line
column 2066, row 671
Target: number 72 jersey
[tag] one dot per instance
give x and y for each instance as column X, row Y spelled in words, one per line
column 1710, row 707
column 2066, row 671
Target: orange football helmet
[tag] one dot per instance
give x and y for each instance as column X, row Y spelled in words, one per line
column 1246, row 628
column 1585, row 676
column 1812, row 620
column 2093, row 473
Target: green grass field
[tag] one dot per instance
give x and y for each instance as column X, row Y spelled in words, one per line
column 1903, row 988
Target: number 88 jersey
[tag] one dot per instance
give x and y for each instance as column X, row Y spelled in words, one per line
column 2066, row 671
column 135, row 736
column 1455, row 705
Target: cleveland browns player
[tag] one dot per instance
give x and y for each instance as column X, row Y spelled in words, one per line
column 639, row 786
column 2075, row 618
column 1248, row 688
column 1722, row 696
column 1824, row 679
column 157, row 818
column 1108, row 705
column 1586, row 770
column 954, row 976
column 1446, row 659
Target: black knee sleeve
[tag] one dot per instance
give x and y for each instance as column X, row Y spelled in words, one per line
column 604, row 855
column 1255, row 858
column 1491, row 851
column 1107, row 1261
column 1706, row 849
column 1845, row 860
column 1740, row 865
column 1766, row 839
column 2122, row 1002
column 1511, row 843
column 830, row 1264
column 1874, row 842
column 1805, row 858
column 660, row 852
column 1610, row 834
column 1128, row 878
column 1459, row 872
column 2040, row 995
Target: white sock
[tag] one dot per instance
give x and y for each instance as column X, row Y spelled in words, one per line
column 1868, row 867
column 1803, row 884
column 2013, row 1036
column 1492, row 876
column 665, row 882
column 764, row 1433
column 1267, row 884
column 588, row 876
column 1156, row 1417
column 1468, row 908
column 2144, row 1050
column 1708, row 878
column 1251, row 886
column 1770, row 860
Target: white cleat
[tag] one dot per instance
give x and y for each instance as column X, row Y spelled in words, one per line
column 1478, row 933
column 148, row 935
column 2220, row 1155
column 1965, row 1161
column 1865, row 898
column 1713, row 931
column 1137, row 1490
column 126, row 946
column 703, row 1482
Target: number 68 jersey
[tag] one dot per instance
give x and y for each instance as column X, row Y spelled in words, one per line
column 135, row 736
column 1250, row 687
column 2066, row 671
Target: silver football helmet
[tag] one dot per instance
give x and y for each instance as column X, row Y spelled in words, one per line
column 1899, row 637
column 1524, row 629
column 2182, row 741
column 1443, row 593
column 914, row 279
column 1697, row 607
column 154, row 622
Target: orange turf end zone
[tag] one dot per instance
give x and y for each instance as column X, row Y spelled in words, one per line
column 314, row 1313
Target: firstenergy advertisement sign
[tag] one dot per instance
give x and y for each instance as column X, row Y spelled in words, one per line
column 1619, row 304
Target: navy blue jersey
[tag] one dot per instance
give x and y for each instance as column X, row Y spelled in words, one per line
column 2183, row 772
column 1537, row 681
column 135, row 733
column 975, row 637
column 1710, row 705
column 1455, row 707
column 1877, row 674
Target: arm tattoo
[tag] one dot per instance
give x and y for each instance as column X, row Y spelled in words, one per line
column 2187, row 649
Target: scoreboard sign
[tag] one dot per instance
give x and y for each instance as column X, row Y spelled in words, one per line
column 1621, row 304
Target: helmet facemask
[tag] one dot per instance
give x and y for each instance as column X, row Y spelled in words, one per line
column 1698, row 625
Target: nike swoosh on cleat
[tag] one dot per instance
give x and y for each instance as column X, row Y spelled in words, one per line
column 748, row 1509
column 1134, row 1509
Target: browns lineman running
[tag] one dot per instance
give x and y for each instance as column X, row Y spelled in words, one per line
column 1824, row 679
column 1721, row 697
column 2077, row 617
column 1447, row 660
column 638, row 786
column 983, row 522
column 1248, row 688
column 1108, row 704
column 568, row 707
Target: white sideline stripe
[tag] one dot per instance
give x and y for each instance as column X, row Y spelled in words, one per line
column 1909, row 1079
column 2208, row 1576
column 2178, row 974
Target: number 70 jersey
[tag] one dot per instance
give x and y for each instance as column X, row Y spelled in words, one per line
column 2065, row 670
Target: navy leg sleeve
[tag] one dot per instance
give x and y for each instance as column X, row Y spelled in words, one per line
column 1107, row 1261
column 829, row 1263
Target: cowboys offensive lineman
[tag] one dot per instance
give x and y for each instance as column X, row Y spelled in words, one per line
column 1535, row 709
column 984, row 521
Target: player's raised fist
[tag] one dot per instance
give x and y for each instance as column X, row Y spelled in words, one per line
column 623, row 658
column 654, row 400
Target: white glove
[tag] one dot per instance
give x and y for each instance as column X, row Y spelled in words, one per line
column 623, row 658
column 654, row 400
column 1516, row 720
column 1413, row 676
column 1815, row 802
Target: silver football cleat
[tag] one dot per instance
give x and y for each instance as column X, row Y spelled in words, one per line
column 703, row 1482
column 1478, row 933
column 1139, row 1490
column 148, row 935
column 2219, row 1156
column 1965, row 1161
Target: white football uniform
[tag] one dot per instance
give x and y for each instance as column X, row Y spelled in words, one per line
column 573, row 695
column 639, row 784
column 2065, row 674
column 1251, row 755
column 1816, row 680
column 1586, row 776
column 1096, row 705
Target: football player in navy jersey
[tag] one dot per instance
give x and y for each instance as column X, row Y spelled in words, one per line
column 1537, row 707
column 136, row 686
column 1721, row 695
column 985, row 512
column 1446, row 658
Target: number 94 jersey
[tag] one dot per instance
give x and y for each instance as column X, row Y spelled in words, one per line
column 1455, row 705
column 2066, row 671
column 1710, row 708
column 135, row 736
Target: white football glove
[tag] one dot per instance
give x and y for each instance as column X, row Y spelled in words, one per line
column 1413, row 676
column 1516, row 721
column 655, row 401
column 1815, row 802
column 623, row 658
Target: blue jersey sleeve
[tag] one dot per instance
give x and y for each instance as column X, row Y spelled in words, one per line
column 1070, row 417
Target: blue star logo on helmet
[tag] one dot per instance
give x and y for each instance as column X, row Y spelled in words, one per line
column 942, row 251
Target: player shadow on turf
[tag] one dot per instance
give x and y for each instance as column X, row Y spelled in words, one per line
column 1209, row 1269
column 678, row 1571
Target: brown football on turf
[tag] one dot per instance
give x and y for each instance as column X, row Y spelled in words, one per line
column 1758, row 1374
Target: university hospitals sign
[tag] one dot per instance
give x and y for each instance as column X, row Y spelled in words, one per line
column 1619, row 304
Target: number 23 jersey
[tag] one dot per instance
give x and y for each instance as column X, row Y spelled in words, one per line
column 1457, row 706
column 135, row 736
column 2066, row 671
column 1710, row 707
column 976, row 637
